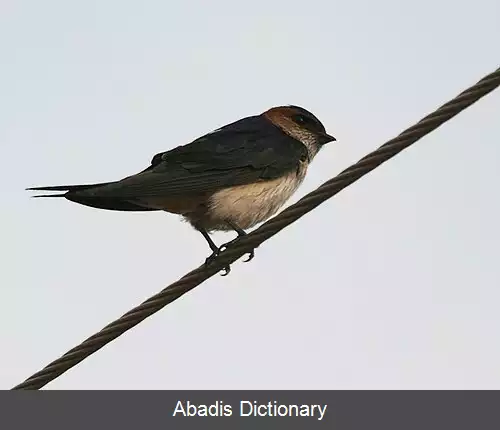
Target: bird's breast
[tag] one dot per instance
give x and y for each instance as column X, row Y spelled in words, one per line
column 248, row 205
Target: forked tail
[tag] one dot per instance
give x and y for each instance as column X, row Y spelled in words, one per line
column 73, row 193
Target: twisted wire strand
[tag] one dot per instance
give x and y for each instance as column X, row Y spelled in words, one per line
column 264, row 232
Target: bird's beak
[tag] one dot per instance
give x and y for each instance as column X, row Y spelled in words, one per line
column 326, row 138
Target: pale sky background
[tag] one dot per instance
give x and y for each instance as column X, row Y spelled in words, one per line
column 394, row 283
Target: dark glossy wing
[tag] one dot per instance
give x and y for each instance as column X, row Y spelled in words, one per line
column 249, row 150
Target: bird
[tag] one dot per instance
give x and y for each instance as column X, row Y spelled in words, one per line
column 230, row 179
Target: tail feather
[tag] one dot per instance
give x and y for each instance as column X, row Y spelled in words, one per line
column 66, row 187
column 49, row 195
column 72, row 194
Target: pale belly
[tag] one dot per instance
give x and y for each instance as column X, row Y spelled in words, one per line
column 248, row 205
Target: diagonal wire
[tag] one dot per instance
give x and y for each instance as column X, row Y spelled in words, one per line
column 264, row 232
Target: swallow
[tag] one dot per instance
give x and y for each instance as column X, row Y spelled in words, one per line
column 227, row 180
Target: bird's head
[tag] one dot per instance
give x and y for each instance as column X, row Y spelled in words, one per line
column 300, row 124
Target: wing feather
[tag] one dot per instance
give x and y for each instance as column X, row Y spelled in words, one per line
column 249, row 150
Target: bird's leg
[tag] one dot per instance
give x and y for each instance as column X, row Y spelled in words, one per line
column 215, row 251
column 240, row 233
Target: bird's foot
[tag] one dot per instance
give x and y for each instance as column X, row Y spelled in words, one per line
column 216, row 252
column 251, row 254
column 210, row 259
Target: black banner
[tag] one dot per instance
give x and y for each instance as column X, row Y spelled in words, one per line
column 401, row 410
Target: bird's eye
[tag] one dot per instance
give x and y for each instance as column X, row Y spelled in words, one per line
column 300, row 119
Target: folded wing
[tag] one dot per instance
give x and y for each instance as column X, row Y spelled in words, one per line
column 240, row 153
